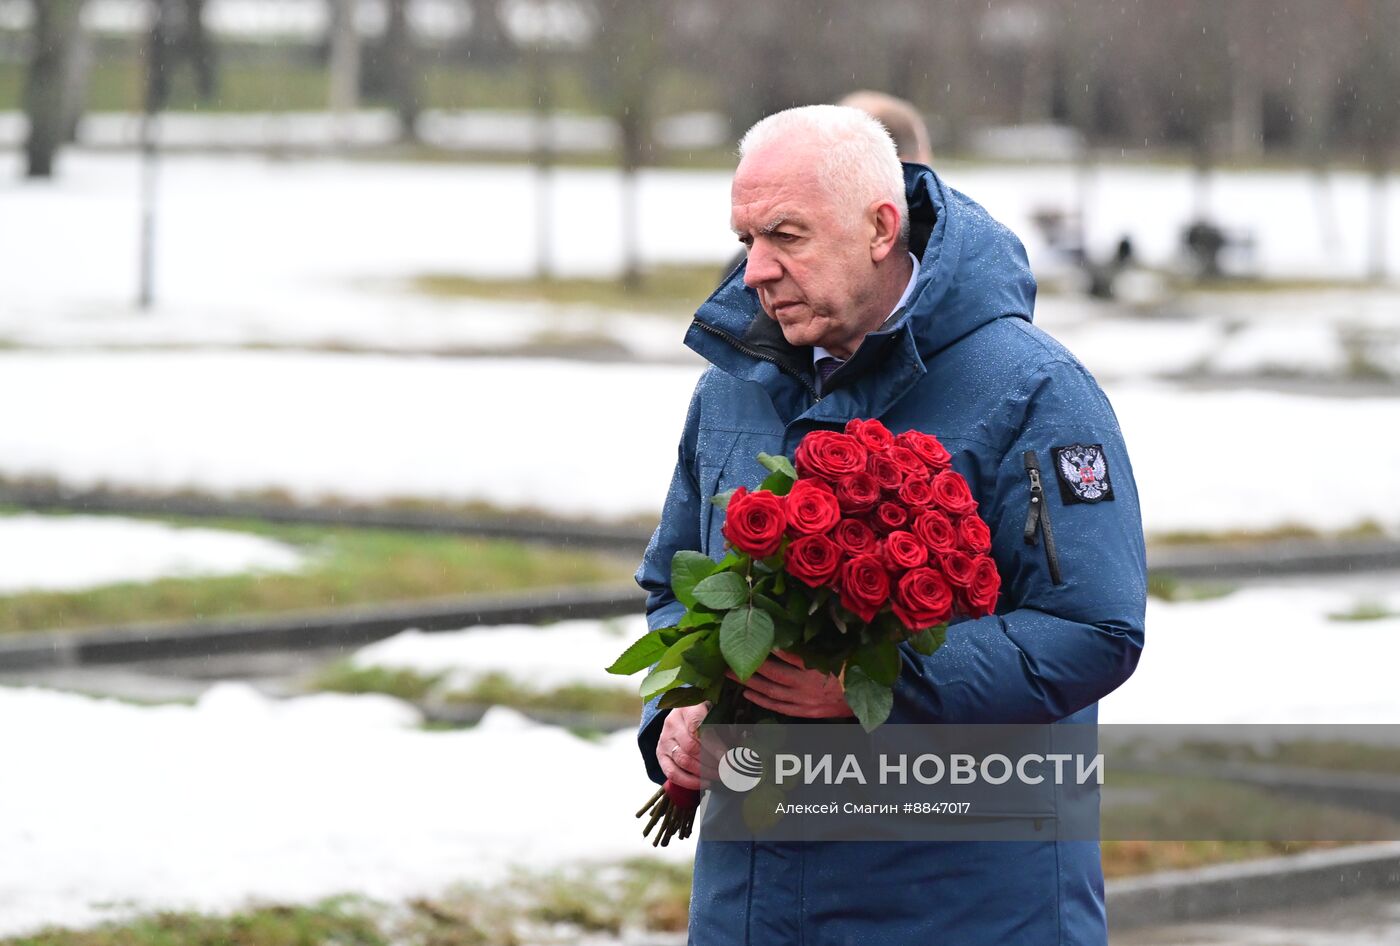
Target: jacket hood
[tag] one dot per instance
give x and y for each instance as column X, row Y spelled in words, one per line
column 972, row 270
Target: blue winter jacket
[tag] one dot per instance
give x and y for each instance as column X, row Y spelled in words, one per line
column 965, row 364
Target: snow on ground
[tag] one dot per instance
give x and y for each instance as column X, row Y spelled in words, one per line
column 1263, row 654
column 525, row 432
column 240, row 796
column 1267, row 654
column 109, row 808
column 321, row 252
column 52, row 553
column 542, row 657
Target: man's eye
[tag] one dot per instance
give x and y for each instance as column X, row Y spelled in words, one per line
column 785, row 237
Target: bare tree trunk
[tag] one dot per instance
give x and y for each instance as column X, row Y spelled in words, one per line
column 541, row 81
column 56, row 25
column 75, row 81
column 402, row 60
column 632, row 125
column 344, row 66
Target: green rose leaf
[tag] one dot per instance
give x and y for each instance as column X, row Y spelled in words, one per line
column 722, row 499
column 929, row 639
column 642, row 654
column 698, row 618
column 659, row 681
column 688, row 568
column 681, row 696
column 880, row 661
column 870, row 700
column 769, row 605
column 704, row 661
column 779, row 484
column 745, row 639
column 778, row 464
column 672, row 657
column 723, row 591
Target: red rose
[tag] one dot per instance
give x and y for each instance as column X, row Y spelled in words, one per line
column 830, row 455
column 753, row 522
column 908, row 462
column 857, row 493
column 872, row 434
column 922, row 599
column 916, row 492
column 936, row 531
column 951, row 493
column 865, row 586
column 886, row 472
column 984, row 588
column 975, row 535
column 903, row 551
column 855, row 537
column 811, row 508
column 926, row 448
column 957, row 566
column 890, row 516
column 813, row 560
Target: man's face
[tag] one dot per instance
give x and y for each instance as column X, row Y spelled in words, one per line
column 809, row 257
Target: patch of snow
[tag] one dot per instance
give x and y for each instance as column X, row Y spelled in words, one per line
column 240, row 797
column 541, row 657
column 63, row 553
column 372, row 427
column 1309, row 349
column 1264, row 655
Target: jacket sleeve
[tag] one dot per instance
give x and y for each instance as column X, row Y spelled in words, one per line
column 1052, row 648
column 678, row 530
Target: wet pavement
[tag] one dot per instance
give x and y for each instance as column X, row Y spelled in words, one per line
column 1354, row 921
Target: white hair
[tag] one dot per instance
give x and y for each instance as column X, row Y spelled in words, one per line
column 858, row 163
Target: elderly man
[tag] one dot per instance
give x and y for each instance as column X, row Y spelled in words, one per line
column 875, row 290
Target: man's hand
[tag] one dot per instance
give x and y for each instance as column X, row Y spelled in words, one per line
column 678, row 749
column 783, row 683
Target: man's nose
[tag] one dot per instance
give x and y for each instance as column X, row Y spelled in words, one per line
column 761, row 268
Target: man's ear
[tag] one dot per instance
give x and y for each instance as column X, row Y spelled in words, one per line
column 885, row 232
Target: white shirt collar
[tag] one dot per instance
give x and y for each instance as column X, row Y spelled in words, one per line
column 818, row 352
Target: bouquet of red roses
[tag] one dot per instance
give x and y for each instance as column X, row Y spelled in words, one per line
column 867, row 541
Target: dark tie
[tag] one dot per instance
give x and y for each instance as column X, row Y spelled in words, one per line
column 826, row 367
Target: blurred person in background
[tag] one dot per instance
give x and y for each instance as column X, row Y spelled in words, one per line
column 900, row 118
column 874, row 290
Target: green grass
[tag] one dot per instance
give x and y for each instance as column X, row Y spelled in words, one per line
column 344, row 677
column 1188, row 808
column 1365, row 529
column 1167, row 588
column 1365, row 611
column 492, row 689
column 287, row 78
column 497, row 689
column 641, row 893
column 1329, row 755
column 472, row 509
column 345, row 566
column 343, row 921
column 666, row 290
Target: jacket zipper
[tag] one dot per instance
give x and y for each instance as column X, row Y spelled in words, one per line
column 754, row 353
column 1038, row 517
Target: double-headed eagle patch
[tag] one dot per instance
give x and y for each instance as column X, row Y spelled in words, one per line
column 1083, row 473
